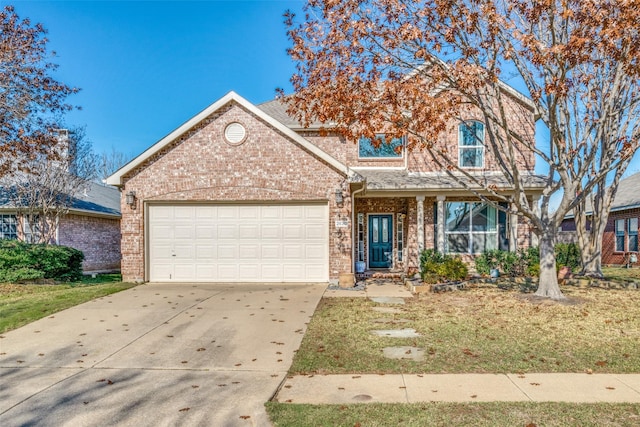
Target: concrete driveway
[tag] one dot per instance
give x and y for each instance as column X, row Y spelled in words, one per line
column 156, row 355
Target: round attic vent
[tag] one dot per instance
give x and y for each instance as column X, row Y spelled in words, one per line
column 235, row 133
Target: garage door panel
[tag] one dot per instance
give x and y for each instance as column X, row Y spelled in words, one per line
column 227, row 272
column 249, row 212
column 316, row 232
column 229, row 232
column 249, row 271
column 205, row 252
column 271, row 243
column 271, row 272
column 293, row 231
column 270, row 231
column 293, row 212
column 251, row 252
column 270, row 252
column 227, row 212
column 249, row 231
column 314, row 252
column 227, row 252
column 271, row 213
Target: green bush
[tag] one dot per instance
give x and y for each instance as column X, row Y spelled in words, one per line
column 436, row 267
column 526, row 262
column 568, row 255
column 24, row 261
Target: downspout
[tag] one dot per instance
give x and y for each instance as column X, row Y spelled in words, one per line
column 354, row 227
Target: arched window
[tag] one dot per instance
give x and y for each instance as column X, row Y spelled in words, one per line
column 471, row 144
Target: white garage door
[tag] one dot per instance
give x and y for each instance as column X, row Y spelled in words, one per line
column 247, row 243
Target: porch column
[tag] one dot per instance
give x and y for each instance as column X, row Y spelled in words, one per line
column 420, row 221
column 440, row 225
column 513, row 231
column 536, row 211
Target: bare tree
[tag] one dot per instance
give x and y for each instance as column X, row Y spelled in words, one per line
column 109, row 162
column 47, row 188
column 413, row 66
column 31, row 100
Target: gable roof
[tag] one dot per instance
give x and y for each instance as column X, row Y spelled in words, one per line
column 116, row 178
column 97, row 199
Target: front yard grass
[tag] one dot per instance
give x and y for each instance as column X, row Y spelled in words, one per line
column 479, row 330
column 493, row 414
column 22, row 304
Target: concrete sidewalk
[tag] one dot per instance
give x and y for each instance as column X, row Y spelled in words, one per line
column 352, row 388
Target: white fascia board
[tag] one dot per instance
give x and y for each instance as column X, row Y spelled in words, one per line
column 116, row 178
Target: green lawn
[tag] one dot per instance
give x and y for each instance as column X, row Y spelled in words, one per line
column 22, row 304
column 494, row 414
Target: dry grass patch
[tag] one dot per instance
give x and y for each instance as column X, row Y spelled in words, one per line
column 480, row 330
column 495, row 414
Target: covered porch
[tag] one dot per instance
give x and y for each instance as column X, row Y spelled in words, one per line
column 398, row 214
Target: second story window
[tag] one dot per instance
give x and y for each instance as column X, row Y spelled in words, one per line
column 391, row 150
column 471, row 145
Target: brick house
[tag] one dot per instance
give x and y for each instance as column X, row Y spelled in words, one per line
column 620, row 239
column 92, row 226
column 241, row 192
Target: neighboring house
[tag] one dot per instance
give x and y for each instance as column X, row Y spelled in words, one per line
column 242, row 193
column 620, row 239
column 92, row 225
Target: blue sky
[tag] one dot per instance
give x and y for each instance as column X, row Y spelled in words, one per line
column 146, row 67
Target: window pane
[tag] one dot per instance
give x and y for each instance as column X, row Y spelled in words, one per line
column 9, row 227
column 471, row 133
column 457, row 243
column 620, row 235
column 471, row 157
column 374, row 227
column 366, row 147
column 484, row 217
column 457, row 216
column 385, row 230
column 633, row 234
column 483, row 242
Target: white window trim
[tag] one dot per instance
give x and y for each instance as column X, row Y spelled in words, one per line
column 461, row 147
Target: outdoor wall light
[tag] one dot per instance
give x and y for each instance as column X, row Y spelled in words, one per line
column 130, row 199
column 339, row 198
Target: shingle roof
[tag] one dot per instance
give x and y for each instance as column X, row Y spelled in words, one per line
column 97, row 199
column 381, row 179
column 628, row 195
column 278, row 110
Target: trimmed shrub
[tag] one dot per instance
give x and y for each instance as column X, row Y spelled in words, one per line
column 24, row 261
column 436, row 267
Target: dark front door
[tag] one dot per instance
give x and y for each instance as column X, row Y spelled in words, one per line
column 380, row 241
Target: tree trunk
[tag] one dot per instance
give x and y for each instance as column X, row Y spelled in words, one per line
column 548, row 286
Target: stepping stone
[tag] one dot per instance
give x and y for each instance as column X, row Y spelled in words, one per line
column 387, row 300
column 411, row 353
column 387, row 320
column 388, row 310
column 396, row 333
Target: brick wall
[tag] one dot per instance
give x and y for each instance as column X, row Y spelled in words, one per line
column 609, row 254
column 202, row 166
column 97, row 238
